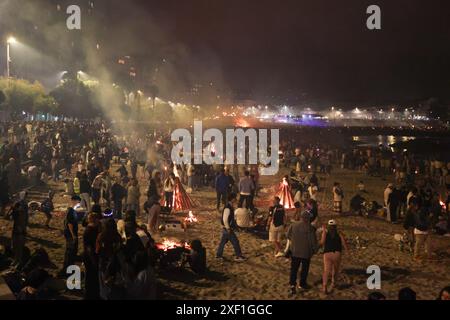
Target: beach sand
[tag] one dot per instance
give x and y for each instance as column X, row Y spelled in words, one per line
column 263, row 276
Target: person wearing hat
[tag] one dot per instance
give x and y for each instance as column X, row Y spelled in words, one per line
column 333, row 242
column 303, row 245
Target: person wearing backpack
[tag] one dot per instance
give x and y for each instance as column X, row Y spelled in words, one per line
column 421, row 234
column 275, row 225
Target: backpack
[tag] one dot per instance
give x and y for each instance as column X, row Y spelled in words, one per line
column 422, row 222
column 275, row 219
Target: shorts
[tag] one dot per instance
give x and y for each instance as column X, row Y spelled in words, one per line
column 275, row 233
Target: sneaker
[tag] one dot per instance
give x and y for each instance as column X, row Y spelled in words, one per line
column 279, row 255
column 220, row 258
column 240, row 259
column 292, row 290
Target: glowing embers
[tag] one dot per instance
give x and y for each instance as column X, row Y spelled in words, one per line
column 242, row 123
column 168, row 244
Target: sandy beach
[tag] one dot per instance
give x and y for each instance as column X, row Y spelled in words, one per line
column 263, row 276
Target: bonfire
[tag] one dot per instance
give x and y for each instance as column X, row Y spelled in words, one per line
column 168, row 244
column 190, row 218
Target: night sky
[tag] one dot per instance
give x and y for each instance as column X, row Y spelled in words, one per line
column 296, row 51
column 320, row 47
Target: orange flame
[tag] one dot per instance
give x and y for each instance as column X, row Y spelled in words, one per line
column 191, row 218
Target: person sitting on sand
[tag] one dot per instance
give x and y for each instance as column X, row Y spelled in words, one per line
column 243, row 218
column 333, row 242
column 196, row 257
column 357, row 204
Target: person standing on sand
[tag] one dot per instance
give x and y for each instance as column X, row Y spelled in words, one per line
column 153, row 209
column 333, row 242
column 169, row 185
column 19, row 213
column 85, row 191
column 90, row 258
column 71, row 235
column 312, row 190
column 246, row 187
column 338, row 196
column 421, row 234
column 228, row 225
column 303, row 244
column 387, row 193
column 133, row 196
column 222, row 184
column 275, row 225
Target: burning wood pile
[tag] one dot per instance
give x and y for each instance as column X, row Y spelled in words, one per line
column 168, row 244
column 171, row 252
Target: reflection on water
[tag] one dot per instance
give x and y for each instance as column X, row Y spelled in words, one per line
column 377, row 140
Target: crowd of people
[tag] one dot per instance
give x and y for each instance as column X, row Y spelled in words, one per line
column 103, row 173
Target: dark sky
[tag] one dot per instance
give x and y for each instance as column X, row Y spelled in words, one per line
column 315, row 50
column 320, row 47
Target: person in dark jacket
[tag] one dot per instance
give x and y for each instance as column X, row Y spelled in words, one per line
column 303, row 244
column 19, row 213
column 154, row 188
column 222, row 185
column 71, row 235
column 118, row 193
column 85, row 192
column 122, row 171
column 393, row 203
column 90, row 258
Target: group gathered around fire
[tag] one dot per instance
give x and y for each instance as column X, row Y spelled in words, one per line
column 103, row 177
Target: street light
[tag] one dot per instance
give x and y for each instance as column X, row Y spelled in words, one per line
column 9, row 42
